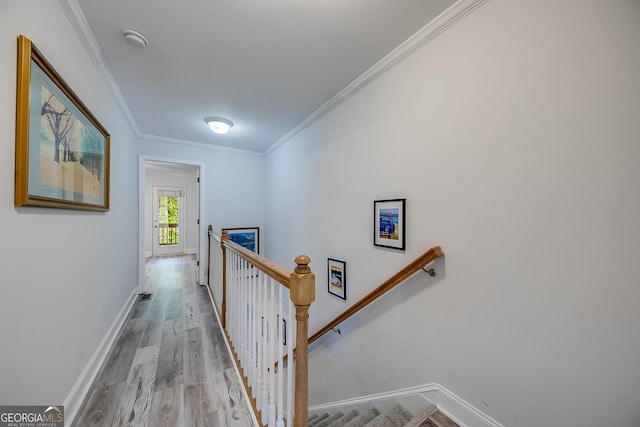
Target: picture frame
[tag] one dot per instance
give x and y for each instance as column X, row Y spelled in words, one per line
column 337, row 278
column 389, row 223
column 62, row 150
column 247, row 237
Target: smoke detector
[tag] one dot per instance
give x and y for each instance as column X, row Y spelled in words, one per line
column 135, row 39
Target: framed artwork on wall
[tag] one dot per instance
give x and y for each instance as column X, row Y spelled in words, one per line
column 337, row 277
column 62, row 151
column 247, row 237
column 389, row 221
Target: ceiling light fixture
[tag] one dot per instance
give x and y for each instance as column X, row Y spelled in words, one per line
column 218, row 125
column 135, row 38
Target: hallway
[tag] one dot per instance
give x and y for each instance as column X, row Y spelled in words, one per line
column 169, row 366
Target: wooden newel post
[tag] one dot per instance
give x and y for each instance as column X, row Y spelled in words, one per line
column 302, row 294
column 223, row 239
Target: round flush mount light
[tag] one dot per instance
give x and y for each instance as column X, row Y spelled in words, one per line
column 218, row 125
column 135, row 39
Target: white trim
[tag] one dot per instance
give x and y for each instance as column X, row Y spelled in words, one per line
column 78, row 393
column 434, row 28
column 459, row 410
column 433, row 394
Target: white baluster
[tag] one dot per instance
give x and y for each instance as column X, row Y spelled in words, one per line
column 280, row 402
column 272, row 353
column 259, row 333
column 291, row 343
column 254, row 334
column 243, row 318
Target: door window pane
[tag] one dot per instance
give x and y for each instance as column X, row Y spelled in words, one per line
column 168, row 233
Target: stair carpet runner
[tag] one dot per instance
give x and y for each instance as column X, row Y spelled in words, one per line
column 397, row 416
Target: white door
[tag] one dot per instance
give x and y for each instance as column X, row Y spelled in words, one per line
column 168, row 220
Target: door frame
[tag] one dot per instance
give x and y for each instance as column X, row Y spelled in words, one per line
column 200, row 166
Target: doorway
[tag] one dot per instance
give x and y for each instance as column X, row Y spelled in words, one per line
column 171, row 175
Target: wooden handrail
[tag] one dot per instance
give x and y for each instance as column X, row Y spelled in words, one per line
column 412, row 268
column 272, row 269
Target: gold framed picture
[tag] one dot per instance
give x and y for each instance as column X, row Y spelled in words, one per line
column 62, row 151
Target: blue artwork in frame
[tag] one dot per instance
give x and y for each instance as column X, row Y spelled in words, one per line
column 389, row 219
column 247, row 237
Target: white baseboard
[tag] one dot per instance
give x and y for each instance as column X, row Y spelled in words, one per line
column 417, row 399
column 79, row 391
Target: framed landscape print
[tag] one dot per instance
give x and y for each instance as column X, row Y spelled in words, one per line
column 337, row 278
column 247, row 237
column 62, row 151
column 389, row 228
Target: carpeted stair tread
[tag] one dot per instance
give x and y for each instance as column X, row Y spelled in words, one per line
column 327, row 421
column 340, row 422
column 319, row 419
column 418, row 420
column 362, row 419
column 438, row 419
column 397, row 416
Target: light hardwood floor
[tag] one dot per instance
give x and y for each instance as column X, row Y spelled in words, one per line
column 169, row 366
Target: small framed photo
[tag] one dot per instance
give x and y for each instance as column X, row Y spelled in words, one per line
column 247, row 237
column 389, row 228
column 337, row 277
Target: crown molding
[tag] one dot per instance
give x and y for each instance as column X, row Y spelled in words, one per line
column 80, row 25
column 433, row 29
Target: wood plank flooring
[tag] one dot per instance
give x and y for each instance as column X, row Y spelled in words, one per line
column 169, row 366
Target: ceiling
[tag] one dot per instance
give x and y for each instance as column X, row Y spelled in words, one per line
column 266, row 65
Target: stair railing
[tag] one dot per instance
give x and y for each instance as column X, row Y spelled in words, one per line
column 258, row 296
column 412, row 268
column 416, row 265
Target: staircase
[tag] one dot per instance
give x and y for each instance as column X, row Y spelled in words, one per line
column 396, row 416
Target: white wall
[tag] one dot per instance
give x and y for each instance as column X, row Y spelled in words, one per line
column 190, row 185
column 514, row 137
column 58, row 267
